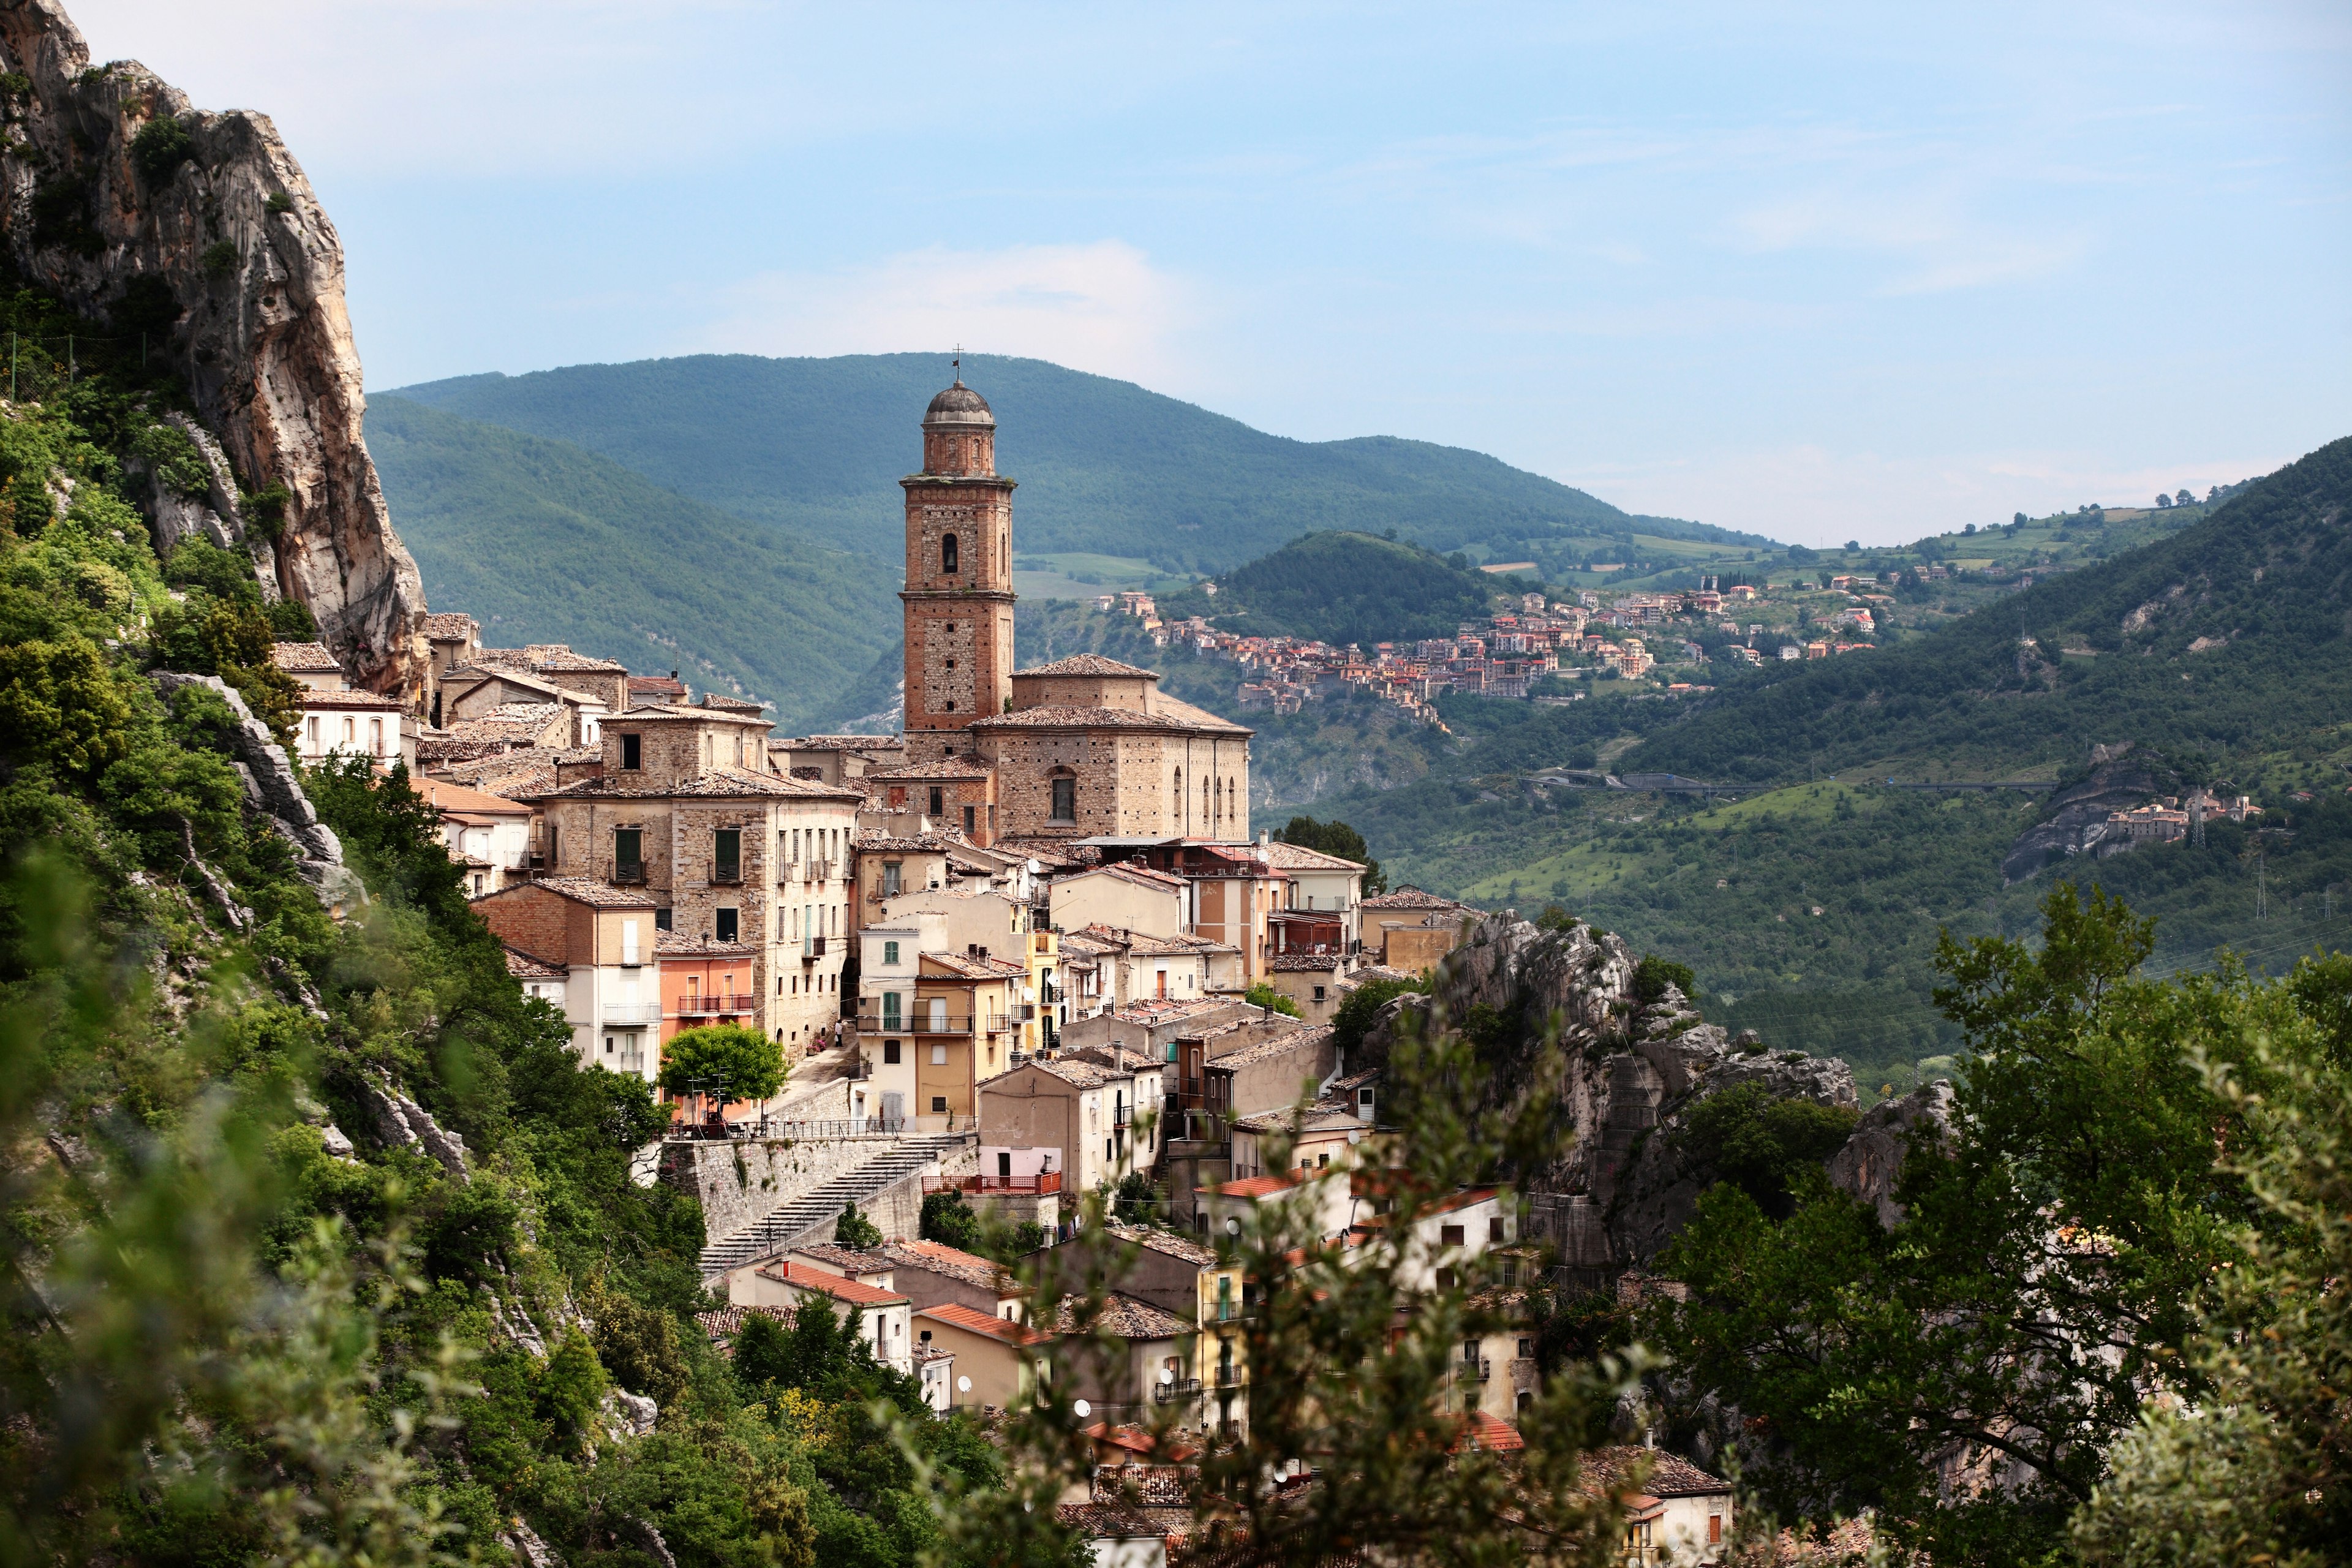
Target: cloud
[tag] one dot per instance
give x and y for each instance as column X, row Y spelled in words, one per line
column 1102, row 307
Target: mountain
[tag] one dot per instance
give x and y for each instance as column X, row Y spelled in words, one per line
column 1343, row 587
column 817, row 446
column 545, row 542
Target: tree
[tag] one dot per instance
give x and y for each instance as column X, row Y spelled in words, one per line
column 1853, row 545
column 1263, row 995
column 2035, row 1290
column 2163, row 501
column 723, row 1062
column 949, row 1221
column 1338, row 838
column 2020, row 520
column 854, row 1229
column 2183, row 498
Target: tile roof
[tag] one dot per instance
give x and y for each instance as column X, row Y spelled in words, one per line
column 1144, row 875
column 443, row 796
column 938, row 1258
column 674, row 944
column 1303, row 963
column 719, row 701
column 655, row 685
column 722, row 1323
column 1004, row 1331
column 1670, row 1475
column 721, row 783
column 1488, row 1433
column 304, row 659
column 641, row 711
column 523, row 966
column 1086, row 664
column 1079, row 1073
column 850, row 1260
column 928, row 843
column 1304, row 1038
column 839, row 743
column 808, row 1277
column 586, row 890
column 972, row 966
column 551, row 656
column 1300, row 857
column 1128, row 1317
column 1152, row 1012
column 1126, row 1521
column 1161, row 1241
column 945, row 768
column 1411, row 897
column 451, row 627
column 1057, row 717
column 1257, row 1187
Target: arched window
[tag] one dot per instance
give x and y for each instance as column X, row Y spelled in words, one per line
column 948, row 554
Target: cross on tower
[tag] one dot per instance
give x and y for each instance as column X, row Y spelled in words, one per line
column 958, row 362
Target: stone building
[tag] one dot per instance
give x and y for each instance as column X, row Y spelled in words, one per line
column 685, row 806
column 1081, row 748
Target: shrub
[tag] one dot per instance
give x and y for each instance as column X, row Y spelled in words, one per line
column 1262, row 994
column 1356, row 1014
column 280, row 202
column 59, row 704
column 173, row 459
column 1654, row 974
column 1764, row 1146
column 854, row 1229
column 219, row 259
column 265, row 511
column 162, row 145
column 949, row 1221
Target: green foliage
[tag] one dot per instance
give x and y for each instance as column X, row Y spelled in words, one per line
column 1335, row 838
column 265, row 511
column 949, row 1221
column 160, row 147
column 280, row 202
column 1654, row 974
column 481, row 507
column 219, row 259
column 1096, row 459
column 1771, row 1149
column 173, row 459
column 854, row 1229
column 1342, row 588
column 1361, row 1010
column 1263, row 995
column 291, row 621
column 58, row 701
column 231, row 639
column 723, row 1061
column 2081, row 1119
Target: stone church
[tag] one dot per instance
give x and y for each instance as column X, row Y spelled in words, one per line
column 1081, row 748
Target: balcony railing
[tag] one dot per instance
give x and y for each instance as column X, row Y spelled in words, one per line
column 1228, row 1376
column 629, row 874
column 1042, row 1181
column 1476, row 1370
column 812, row 949
column 1176, row 1393
column 630, row 1013
column 1122, row 1116
column 712, row 1002
column 916, row 1023
column 727, row 872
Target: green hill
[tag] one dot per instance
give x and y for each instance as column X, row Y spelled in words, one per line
column 1107, row 468
column 544, row 542
column 1341, row 588
column 2209, row 641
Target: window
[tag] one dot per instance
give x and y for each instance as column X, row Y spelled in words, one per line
column 632, row 752
column 1715, row 1529
column 1449, row 1235
column 375, row 736
column 1495, row 1232
column 628, row 853
column 311, row 726
column 727, row 852
column 350, row 731
column 890, row 1011
column 661, row 920
column 939, row 1105
column 1445, row 1279
column 893, row 871
column 889, row 1053
column 938, row 1056
column 970, row 817
column 948, row 556
column 939, row 801
column 724, row 923
column 1065, row 799
column 890, row 955
column 1526, row 1349
column 1318, row 993
column 629, row 941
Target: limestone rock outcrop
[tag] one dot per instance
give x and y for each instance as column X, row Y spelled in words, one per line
column 216, row 247
column 1873, row 1158
column 1628, row 1075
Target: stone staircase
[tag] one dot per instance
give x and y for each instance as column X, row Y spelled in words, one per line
column 811, row 1216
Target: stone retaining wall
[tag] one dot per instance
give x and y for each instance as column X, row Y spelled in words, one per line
column 742, row 1181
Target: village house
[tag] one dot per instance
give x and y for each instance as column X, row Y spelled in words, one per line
column 1678, row 1514
column 602, row 937
column 1121, row 897
column 1413, row 930
column 785, row 1282
column 336, row 720
column 836, row 759
column 488, row 834
column 931, row 1023
column 1086, row 1109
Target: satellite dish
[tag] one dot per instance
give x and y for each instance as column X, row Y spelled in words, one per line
column 1233, row 1226
column 963, row 1386
column 1083, row 1409
column 1167, row 1375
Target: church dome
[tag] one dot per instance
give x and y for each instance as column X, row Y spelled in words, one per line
column 959, row 404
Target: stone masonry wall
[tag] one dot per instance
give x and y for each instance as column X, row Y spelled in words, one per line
column 740, row 1182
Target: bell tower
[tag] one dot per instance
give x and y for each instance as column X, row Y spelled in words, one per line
column 958, row 591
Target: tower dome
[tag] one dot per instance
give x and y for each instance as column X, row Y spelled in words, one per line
column 959, row 404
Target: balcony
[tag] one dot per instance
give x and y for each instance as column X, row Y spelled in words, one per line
column 1477, row 1370
column 812, row 949
column 1228, row 1376
column 1176, row 1393
column 914, row 1023
column 712, row 1004
column 629, row 874
column 1122, row 1116
column 1042, row 1181
column 629, row 1013
column 726, row 872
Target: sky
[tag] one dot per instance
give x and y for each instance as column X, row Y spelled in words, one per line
column 1822, row 271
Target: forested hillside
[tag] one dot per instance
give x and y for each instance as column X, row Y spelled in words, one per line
column 1343, row 587
column 1107, row 468
column 542, row 542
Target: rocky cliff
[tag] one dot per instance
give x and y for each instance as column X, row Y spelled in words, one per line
column 199, row 229
column 2074, row 819
column 1629, row 1073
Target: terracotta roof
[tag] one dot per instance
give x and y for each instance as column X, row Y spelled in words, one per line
column 722, row 1323
column 928, row 843
column 585, row 889
column 1298, row 857
column 1128, row 1317
column 1086, row 664
column 839, row 743
column 523, row 966
column 656, row 685
column 1126, row 1521
column 971, row 1320
column 1670, row 1475
column 1490, row 1434
column 556, row 656
column 1152, row 1012
column 1161, row 1241
column 717, row 783
column 850, row 1260
column 1079, row 1073
column 1133, row 873
column 972, row 966
column 444, row 797
column 365, row 700
column 451, row 628
column 938, row 1258
column 1055, row 717
column 808, row 1277
column 1305, row 1038
column 945, row 768
column 674, row 944
column 1257, row 1187
column 304, row 659
column 1408, row 897
column 1302, row 962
